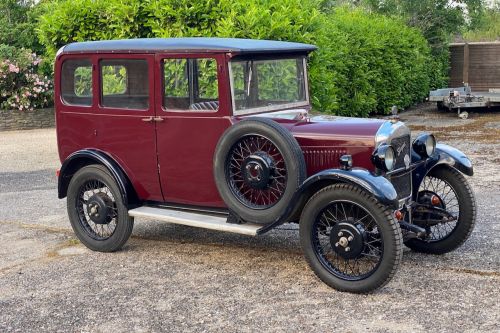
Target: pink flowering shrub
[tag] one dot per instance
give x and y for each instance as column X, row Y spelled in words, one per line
column 21, row 87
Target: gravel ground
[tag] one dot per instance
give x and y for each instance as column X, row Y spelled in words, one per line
column 177, row 279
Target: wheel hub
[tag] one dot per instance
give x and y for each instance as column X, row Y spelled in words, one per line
column 98, row 208
column 347, row 239
column 257, row 170
column 430, row 198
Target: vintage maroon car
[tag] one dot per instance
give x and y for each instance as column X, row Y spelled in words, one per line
column 216, row 133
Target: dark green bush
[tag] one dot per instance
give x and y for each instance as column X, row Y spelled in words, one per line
column 380, row 62
column 365, row 63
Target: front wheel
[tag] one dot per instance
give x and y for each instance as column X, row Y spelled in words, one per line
column 451, row 193
column 351, row 241
column 96, row 210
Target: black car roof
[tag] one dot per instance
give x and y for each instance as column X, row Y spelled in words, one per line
column 190, row 44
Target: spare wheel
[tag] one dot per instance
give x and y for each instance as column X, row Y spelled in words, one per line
column 258, row 166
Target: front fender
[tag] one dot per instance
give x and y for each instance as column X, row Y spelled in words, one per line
column 455, row 158
column 381, row 188
column 378, row 186
column 444, row 155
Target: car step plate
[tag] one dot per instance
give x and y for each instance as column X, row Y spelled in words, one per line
column 195, row 220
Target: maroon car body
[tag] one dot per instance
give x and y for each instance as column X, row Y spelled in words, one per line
column 140, row 147
column 217, row 133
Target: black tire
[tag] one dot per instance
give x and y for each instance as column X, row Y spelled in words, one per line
column 387, row 229
column 452, row 238
column 283, row 186
column 115, row 229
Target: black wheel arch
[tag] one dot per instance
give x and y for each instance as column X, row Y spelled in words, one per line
column 444, row 157
column 377, row 186
column 85, row 157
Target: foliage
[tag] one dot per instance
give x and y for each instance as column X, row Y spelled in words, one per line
column 17, row 24
column 21, row 87
column 365, row 62
column 374, row 62
column 488, row 29
column 83, row 20
column 114, row 80
column 438, row 20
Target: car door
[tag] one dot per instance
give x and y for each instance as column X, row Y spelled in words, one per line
column 125, row 128
column 193, row 117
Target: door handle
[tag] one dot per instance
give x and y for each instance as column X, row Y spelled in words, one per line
column 148, row 119
column 158, row 119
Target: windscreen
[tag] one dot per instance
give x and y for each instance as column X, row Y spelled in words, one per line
column 268, row 85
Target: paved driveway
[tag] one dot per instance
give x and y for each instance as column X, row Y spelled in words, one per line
column 177, row 279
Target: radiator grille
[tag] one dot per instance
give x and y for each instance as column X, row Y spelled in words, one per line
column 318, row 158
column 402, row 180
column 402, row 147
column 402, row 184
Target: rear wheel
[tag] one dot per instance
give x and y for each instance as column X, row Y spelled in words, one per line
column 452, row 193
column 96, row 210
column 351, row 241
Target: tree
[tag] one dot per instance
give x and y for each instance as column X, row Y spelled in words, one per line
column 17, row 24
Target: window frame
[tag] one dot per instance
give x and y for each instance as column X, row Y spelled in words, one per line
column 276, row 107
column 161, row 97
column 92, row 81
column 149, row 59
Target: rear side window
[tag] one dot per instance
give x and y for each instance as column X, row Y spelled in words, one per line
column 76, row 82
column 125, row 83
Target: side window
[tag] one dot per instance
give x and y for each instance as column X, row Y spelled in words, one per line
column 190, row 84
column 207, row 79
column 124, row 83
column 176, row 82
column 76, row 82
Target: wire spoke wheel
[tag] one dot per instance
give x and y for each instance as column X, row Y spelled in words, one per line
column 258, row 167
column 347, row 240
column 256, row 172
column 351, row 241
column 453, row 216
column 448, row 200
column 97, row 210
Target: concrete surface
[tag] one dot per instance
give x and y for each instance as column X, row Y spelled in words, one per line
column 178, row 279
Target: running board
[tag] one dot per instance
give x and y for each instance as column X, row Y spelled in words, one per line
column 196, row 220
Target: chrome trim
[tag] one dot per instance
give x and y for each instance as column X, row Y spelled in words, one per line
column 271, row 108
column 389, row 130
column 404, row 202
column 59, row 51
column 410, row 168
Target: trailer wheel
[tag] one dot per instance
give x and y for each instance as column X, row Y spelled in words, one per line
column 441, row 107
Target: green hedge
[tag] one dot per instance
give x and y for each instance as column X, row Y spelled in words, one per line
column 365, row 63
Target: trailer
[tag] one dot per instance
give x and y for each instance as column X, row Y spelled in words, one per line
column 475, row 74
column 463, row 98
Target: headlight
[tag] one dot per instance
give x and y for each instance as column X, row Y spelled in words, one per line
column 424, row 145
column 383, row 157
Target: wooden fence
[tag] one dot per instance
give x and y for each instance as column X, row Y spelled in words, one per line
column 477, row 64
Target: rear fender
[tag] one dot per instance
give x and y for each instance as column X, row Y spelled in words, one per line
column 84, row 157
